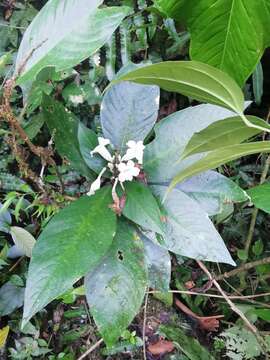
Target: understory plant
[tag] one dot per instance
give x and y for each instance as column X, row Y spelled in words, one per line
column 151, row 188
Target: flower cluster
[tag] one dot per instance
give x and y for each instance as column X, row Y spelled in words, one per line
column 123, row 168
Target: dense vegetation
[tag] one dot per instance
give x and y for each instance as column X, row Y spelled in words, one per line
column 134, row 179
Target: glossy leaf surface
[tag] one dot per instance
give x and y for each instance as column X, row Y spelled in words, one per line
column 64, row 33
column 23, row 240
column 141, row 207
column 72, row 244
column 129, row 112
column 116, row 288
column 189, row 231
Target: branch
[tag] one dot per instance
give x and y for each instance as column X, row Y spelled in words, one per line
column 244, row 267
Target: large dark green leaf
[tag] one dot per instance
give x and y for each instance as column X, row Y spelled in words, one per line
column 88, row 141
column 191, row 78
column 11, row 298
column 116, row 288
column 223, row 133
column 158, row 261
column 141, row 207
column 63, row 126
column 72, row 244
column 188, row 230
column 161, row 156
column 260, row 196
column 219, row 157
column 213, row 191
column 64, row 33
column 228, row 34
column 129, row 112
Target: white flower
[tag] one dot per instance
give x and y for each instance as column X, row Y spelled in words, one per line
column 101, row 149
column 127, row 171
column 96, row 184
column 135, row 151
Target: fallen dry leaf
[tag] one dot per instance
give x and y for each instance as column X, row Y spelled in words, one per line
column 161, row 347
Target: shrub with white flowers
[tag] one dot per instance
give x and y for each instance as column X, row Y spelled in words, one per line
column 123, row 168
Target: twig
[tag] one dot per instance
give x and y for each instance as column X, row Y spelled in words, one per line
column 234, row 308
column 244, row 267
column 144, row 325
column 231, row 297
column 92, row 348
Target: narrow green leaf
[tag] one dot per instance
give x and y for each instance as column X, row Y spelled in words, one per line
column 142, row 208
column 191, row 78
column 223, row 133
column 63, row 126
column 24, row 241
column 72, row 244
column 219, row 157
column 5, row 219
column 64, row 33
column 88, row 141
column 188, row 231
column 161, row 156
column 257, row 82
column 116, row 288
column 260, row 196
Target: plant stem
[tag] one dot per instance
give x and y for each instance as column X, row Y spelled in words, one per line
column 92, row 348
column 244, row 267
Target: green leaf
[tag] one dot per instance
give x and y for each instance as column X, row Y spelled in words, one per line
column 191, row 78
column 263, row 314
column 219, row 157
column 116, row 288
column 188, row 230
column 213, row 191
column 24, row 241
column 188, row 344
column 129, row 112
column 142, row 208
column 228, row 34
column 63, row 126
column 257, row 82
column 260, row 196
column 64, row 33
column 158, row 261
column 11, row 298
column 88, row 141
column 161, row 156
column 231, row 131
column 5, row 220
column 72, row 244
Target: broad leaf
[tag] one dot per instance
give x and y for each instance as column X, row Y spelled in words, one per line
column 141, row 207
column 188, row 229
column 213, row 191
column 64, row 33
column 260, row 197
column 223, row 133
column 191, row 78
column 129, row 112
column 72, row 244
column 158, row 261
column 11, row 298
column 230, row 35
column 23, row 240
column 161, row 156
column 219, row 157
column 63, row 126
column 116, row 288
column 88, row 141
column 5, row 220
